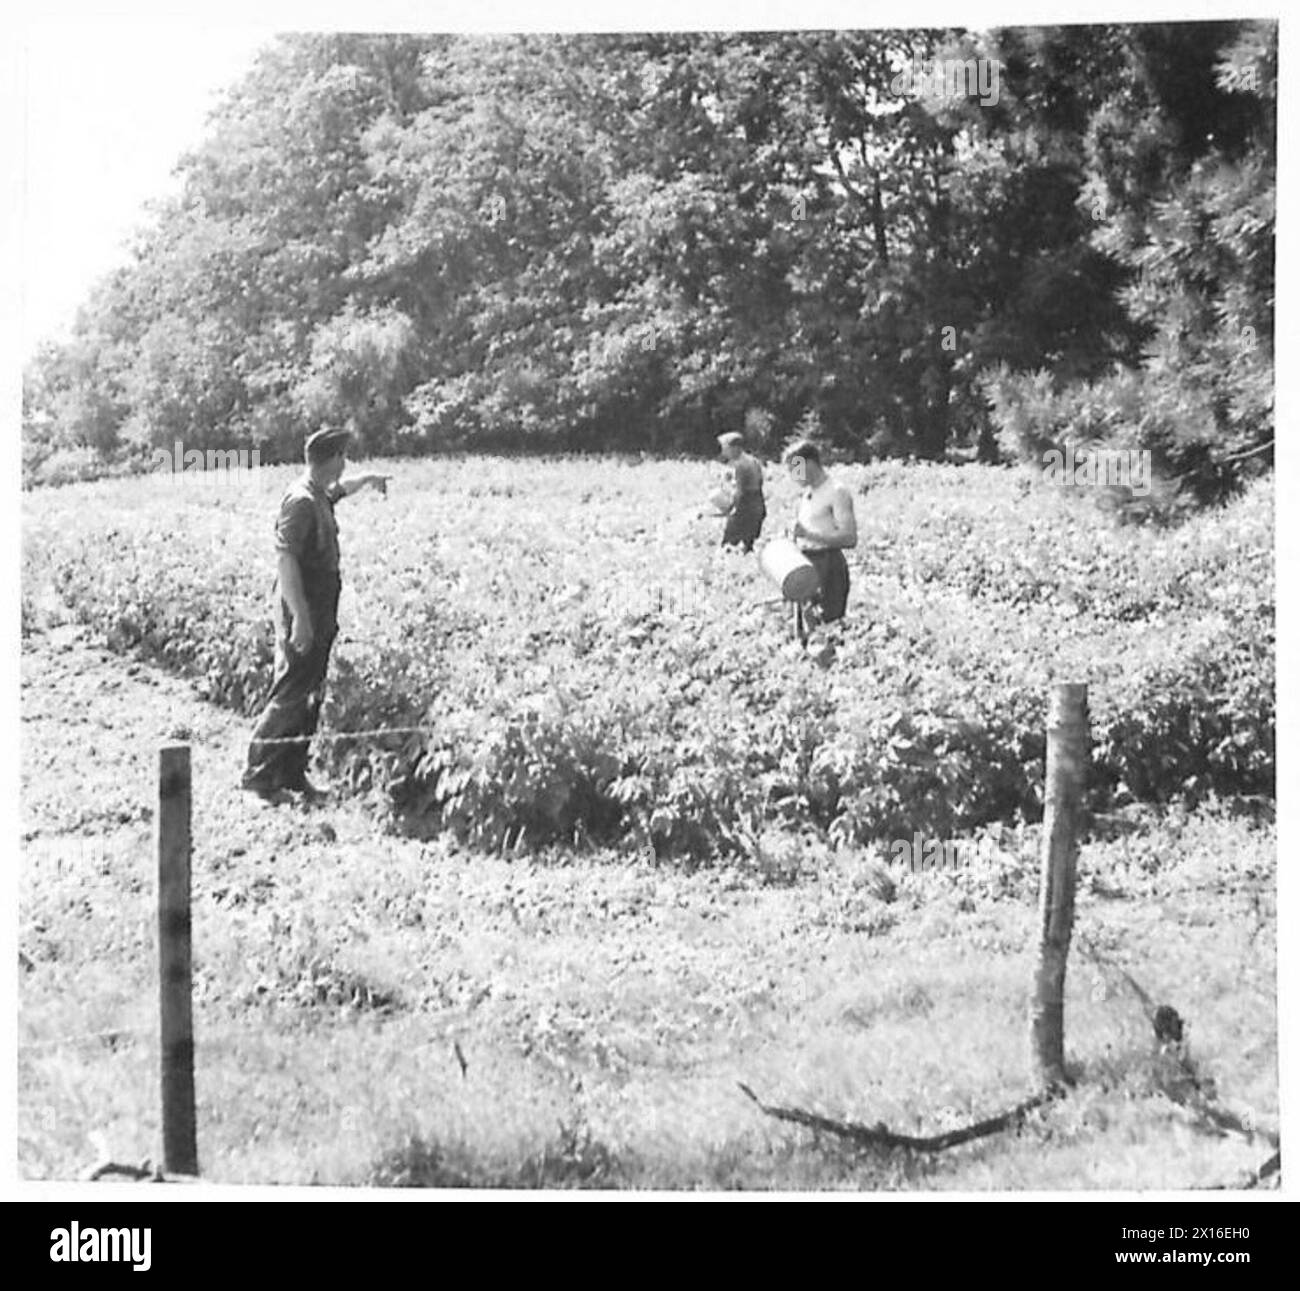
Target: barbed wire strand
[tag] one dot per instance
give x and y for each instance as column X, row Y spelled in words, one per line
column 332, row 737
column 66, row 1042
column 204, row 1037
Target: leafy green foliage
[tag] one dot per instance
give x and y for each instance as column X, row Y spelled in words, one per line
column 596, row 242
column 1181, row 187
column 593, row 668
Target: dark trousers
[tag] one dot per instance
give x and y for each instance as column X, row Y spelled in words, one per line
column 833, row 594
column 293, row 707
column 744, row 524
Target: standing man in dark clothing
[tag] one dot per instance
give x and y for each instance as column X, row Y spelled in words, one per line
column 748, row 510
column 825, row 526
column 307, row 546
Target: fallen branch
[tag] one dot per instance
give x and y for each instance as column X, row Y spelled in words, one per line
column 136, row 1172
column 1253, row 1179
column 1270, row 1167
column 105, row 1166
column 1091, row 953
column 1189, row 1089
column 879, row 1136
column 1194, row 1098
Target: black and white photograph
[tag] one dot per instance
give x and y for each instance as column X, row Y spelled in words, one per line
column 665, row 606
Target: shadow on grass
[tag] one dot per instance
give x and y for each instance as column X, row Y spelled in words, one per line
column 573, row 1159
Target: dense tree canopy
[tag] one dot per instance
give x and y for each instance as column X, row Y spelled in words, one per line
column 612, row 241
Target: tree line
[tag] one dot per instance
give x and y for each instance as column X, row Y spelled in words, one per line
column 640, row 241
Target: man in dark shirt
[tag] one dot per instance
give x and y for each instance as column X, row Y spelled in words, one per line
column 307, row 547
column 748, row 510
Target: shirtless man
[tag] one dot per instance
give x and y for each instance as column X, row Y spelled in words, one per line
column 824, row 526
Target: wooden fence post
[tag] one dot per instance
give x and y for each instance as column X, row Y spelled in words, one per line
column 176, row 1025
column 1067, row 773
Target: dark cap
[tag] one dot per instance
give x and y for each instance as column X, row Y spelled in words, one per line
column 324, row 444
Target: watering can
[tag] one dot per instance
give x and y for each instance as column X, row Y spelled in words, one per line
column 789, row 569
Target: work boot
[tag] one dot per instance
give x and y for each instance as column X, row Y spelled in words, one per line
column 309, row 792
column 267, row 795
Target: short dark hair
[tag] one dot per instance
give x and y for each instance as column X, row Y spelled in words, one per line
column 804, row 449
